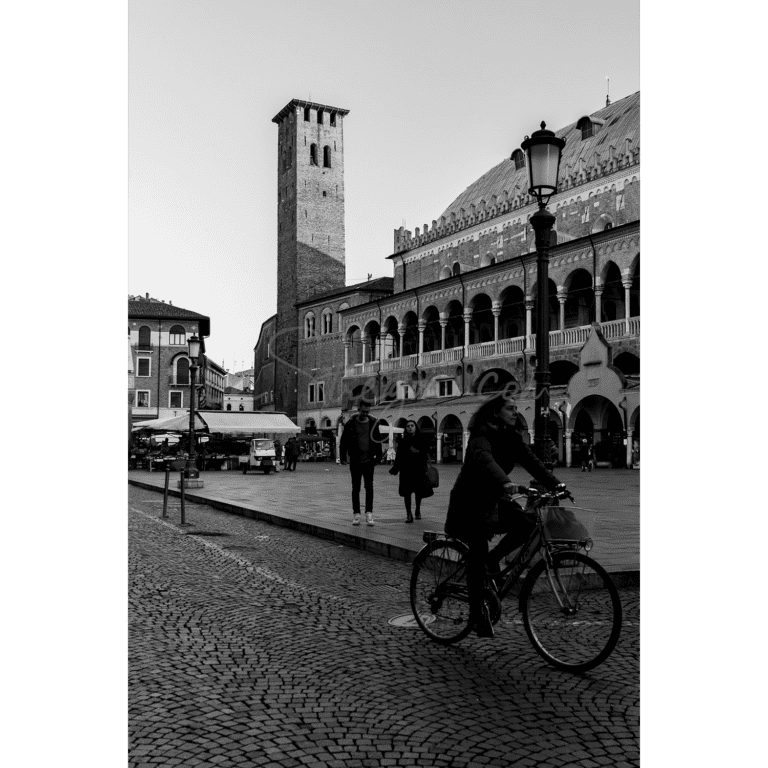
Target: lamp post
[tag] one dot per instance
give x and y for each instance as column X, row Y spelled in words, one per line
column 543, row 151
column 194, row 351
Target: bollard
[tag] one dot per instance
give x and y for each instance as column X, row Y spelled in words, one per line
column 165, row 492
column 183, row 521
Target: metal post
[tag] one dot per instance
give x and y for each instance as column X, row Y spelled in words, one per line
column 183, row 519
column 165, row 492
column 191, row 460
column 542, row 222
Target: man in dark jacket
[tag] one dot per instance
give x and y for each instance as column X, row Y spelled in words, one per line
column 360, row 441
column 476, row 510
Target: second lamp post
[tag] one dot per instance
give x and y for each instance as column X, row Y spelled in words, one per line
column 543, row 151
column 194, row 352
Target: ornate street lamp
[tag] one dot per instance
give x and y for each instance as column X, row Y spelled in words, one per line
column 194, row 351
column 543, row 151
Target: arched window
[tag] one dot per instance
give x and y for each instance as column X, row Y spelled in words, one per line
column 587, row 128
column 326, row 157
column 182, row 370
column 309, row 325
column 229, row 406
column 241, row 407
column 519, row 159
column 145, row 337
column 177, row 335
column 327, row 326
column 456, row 268
column 313, row 154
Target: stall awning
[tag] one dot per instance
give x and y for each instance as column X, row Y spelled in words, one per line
column 226, row 423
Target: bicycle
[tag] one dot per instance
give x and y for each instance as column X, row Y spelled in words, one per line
column 571, row 609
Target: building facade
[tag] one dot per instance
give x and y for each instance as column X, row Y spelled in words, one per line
column 158, row 333
column 460, row 322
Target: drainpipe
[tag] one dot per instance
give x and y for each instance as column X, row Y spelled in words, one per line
column 594, row 274
column 525, row 336
column 418, row 320
column 466, row 344
column 159, row 333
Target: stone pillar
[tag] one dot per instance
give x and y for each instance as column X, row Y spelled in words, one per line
column 532, row 433
column 598, row 303
column 467, row 320
column 629, row 449
column 401, row 333
column 422, row 328
column 561, row 297
column 496, row 310
column 627, row 283
column 443, row 324
column 439, row 456
column 346, row 354
column 528, row 327
column 364, row 342
column 568, row 448
column 464, row 443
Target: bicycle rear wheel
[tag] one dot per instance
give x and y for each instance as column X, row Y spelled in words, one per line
column 571, row 613
column 439, row 596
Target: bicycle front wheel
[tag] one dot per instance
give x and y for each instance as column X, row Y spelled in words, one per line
column 439, row 595
column 571, row 611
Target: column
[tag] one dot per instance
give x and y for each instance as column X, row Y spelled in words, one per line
column 598, row 303
column 422, row 328
column 532, row 434
column 364, row 342
column 346, row 354
column 443, row 324
column 464, row 443
column 467, row 320
column 496, row 310
column 401, row 333
column 561, row 297
column 439, row 456
column 528, row 327
column 627, row 283
column 629, row 449
column 568, row 448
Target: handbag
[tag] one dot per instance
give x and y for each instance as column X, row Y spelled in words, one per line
column 433, row 476
column 426, row 488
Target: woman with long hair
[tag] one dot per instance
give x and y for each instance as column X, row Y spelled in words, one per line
column 477, row 511
column 411, row 465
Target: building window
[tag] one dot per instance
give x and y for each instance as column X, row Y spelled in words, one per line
column 182, row 371
column 445, row 388
column 333, row 118
column 319, row 116
column 229, row 406
column 316, row 392
column 587, row 128
column 306, row 114
column 313, row 154
column 142, row 398
column 309, row 325
column 175, row 400
column 143, row 366
column 620, row 201
column 519, row 159
column 177, row 336
column 326, row 158
column 240, row 407
column 327, row 322
column 456, row 268
column 145, row 337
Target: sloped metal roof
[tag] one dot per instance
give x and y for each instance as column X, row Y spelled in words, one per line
column 621, row 122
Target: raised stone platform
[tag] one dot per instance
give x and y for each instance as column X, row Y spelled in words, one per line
column 190, row 484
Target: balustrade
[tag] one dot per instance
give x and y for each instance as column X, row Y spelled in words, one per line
column 484, row 349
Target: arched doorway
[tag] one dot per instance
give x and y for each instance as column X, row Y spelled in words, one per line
column 598, row 421
column 428, row 434
column 453, row 434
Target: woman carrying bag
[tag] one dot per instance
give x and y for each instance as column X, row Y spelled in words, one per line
column 411, row 465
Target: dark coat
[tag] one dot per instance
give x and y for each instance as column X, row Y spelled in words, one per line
column 411, row 465
column 491, row 455
column 348, row 443
column 292, row 449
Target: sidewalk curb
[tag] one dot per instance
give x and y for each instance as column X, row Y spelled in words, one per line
column 391, row 551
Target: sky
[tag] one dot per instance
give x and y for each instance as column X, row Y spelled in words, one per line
column 438, row 93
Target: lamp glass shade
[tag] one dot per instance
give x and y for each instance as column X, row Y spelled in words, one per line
column 543, row 163
column 194, row 347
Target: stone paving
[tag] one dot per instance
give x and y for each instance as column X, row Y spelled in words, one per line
column 316, row 499
column 253, row 644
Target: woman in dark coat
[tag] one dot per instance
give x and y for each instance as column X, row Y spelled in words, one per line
column 476, row 511
column 411, row 464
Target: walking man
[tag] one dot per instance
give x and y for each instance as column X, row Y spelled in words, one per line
column 359, row 442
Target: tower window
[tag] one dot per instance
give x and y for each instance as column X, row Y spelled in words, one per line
column 319, row 116
column 587, row 127
column 333, row 118
column 306, row 114
column 313, row 154
column 519, row 159
column 326, row 157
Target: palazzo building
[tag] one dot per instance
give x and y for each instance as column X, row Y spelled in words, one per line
column 458, row 321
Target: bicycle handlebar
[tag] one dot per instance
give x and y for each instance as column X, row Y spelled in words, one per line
column 535, row 494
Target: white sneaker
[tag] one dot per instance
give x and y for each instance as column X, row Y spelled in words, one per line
column 369, row 518
column 356, row 519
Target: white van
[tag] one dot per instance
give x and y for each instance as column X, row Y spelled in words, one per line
column 261, row 456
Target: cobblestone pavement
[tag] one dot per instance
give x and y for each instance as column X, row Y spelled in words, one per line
column 318, row 496
column 265, row 646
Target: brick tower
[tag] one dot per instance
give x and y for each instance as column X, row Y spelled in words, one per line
column 310, row 225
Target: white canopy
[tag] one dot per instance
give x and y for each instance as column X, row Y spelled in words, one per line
column 227, row 423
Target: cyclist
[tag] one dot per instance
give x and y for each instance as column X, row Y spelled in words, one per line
column 475, row 510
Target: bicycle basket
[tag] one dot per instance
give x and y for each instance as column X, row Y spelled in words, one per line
column 561, row 524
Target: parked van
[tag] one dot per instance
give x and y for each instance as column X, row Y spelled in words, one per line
column 261, row 456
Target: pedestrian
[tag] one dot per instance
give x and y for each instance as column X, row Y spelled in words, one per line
column 476, row 509
column 363, row 447
column 291, row 454
column 278, row 455
column 411, row 465
column 587, row 454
